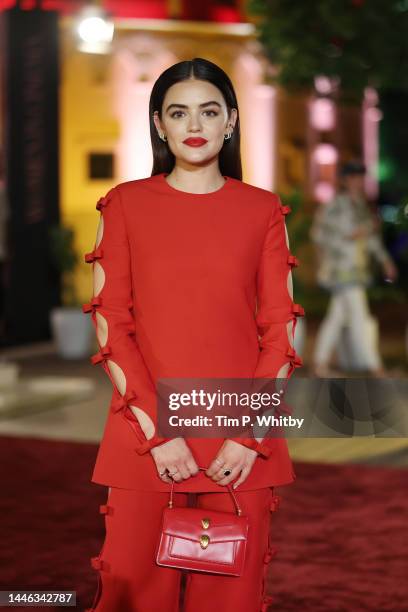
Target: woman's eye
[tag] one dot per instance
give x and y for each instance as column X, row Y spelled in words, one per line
column 177, row 114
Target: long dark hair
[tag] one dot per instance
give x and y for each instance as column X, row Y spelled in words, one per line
column 229, row 157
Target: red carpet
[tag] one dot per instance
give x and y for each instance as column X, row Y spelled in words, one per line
column 341, row 531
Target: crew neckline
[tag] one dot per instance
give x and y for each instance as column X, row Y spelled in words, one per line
column 172, row 189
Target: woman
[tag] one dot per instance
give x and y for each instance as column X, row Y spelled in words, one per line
column 180, row 261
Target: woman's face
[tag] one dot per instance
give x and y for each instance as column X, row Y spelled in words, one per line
column 195, row 109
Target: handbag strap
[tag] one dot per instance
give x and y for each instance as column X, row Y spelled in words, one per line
column 237, row 506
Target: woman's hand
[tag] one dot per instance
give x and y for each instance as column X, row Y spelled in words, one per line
column 177, row 458
column 390, row 271
column 235, row 457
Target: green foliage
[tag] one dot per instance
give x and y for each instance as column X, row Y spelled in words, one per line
column 363, row 42
column 298, row 223
column 65, row 260
column 387, row 293
column 63, row 252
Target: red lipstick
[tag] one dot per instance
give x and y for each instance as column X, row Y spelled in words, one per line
column 195, row 142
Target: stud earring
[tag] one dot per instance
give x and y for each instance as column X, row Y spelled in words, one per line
column 163, row 137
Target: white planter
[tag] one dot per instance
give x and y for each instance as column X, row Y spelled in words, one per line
column 72, row 332
column 9, row 373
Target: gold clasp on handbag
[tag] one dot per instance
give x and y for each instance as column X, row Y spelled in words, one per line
column 204, row 540
column 205, row 522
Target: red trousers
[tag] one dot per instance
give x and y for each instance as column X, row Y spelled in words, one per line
column 129, row 580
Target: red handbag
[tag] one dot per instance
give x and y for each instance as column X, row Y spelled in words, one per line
column 203, row 540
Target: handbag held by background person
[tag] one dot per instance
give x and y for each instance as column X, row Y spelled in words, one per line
column 203, row 540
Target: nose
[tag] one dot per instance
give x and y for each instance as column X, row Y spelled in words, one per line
column 194, row 124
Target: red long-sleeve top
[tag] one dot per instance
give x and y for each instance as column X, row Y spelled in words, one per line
column 188, row 286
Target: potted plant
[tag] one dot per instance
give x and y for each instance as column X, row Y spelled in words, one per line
column 71, row 329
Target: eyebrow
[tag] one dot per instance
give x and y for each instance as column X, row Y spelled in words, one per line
column 200, row 105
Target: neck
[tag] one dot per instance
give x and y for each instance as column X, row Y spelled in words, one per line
column 197, row 179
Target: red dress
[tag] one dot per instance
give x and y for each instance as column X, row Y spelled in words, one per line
column 194, row 285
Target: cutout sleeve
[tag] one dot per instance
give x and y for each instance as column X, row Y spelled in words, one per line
column 276, row 314
column 111, row 311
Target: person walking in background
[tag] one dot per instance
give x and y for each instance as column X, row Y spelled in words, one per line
column 346, row 234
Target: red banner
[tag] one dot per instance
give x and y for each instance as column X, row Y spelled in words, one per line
column 205, row 10
column 154, row 9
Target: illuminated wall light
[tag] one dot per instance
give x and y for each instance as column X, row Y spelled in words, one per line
column 324, row 192
column 325, row 154
column 95, row 30
column 371, row 96
column 371, row 116
column 374, row 114
column 323, row 84
column 326, row 85
column 323, row 114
